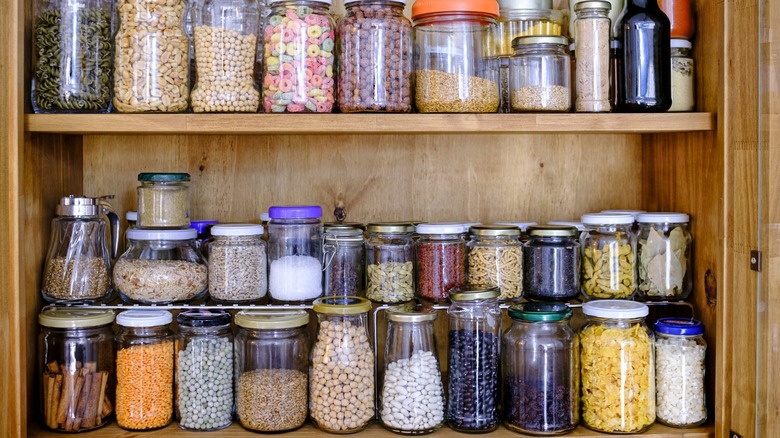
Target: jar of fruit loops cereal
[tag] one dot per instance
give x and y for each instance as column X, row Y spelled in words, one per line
column 299, row 57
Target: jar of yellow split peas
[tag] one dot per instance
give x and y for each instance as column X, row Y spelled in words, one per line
column 525, row 18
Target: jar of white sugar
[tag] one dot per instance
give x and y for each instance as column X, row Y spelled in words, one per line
column 295, row 253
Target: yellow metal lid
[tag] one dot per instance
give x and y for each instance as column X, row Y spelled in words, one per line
column 404, row 313
column 474, row 293
column 69, row 317
column 342, row 305
column 271, row 319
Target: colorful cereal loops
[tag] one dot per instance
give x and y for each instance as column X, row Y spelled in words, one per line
column 144, row 387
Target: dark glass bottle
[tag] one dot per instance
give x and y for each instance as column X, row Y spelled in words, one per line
column 646, row 74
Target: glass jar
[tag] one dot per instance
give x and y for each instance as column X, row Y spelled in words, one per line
column 591, row 37
column 76, row 350
column 474, row 357
column 151, row 57
column 539, row 75
column 71, row 56
column 682, row 17
column 680, row 350
column 615, row 9
column 375, row 64
column 295, row 253
column 204, row 370
column 664, row 253
column 272, row 369
column 237, row 263
column 541, row 370
column 617, row 367
column 440, row 257
column 342, row 353
column 163, row 200
column 683, row 87
column 161, row 267
column 456, row 70
column 551, row 263
column 495, row 259
column 144, row 369
column 412, row 396
column 343, row 261
column 225, row 41
column 299, row 43
column 576, row 224
column 390, row 262
column 519, row 18
column 132, row 220
column 203, row 227
column 608, row 256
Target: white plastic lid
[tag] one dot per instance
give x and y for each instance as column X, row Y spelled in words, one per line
column 607, row 219
column 615, row 309
column 178, row 234
column 677, row 43
column 270, row 2
column 132, row 216
column 634, row 213
column 525, row 4
column 660, row 218
column 577, row 225
column 237, row 230
column 144, row 318
column 264, row 217
column 442, row 228
column 521, row 225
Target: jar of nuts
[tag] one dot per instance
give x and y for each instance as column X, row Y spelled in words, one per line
column 389, row 262
column 539, row 75
column 609, row 268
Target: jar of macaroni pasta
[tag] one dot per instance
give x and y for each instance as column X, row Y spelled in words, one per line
column 539, row 75
column 390, row 262
column 440, row 260
column 237, row 263
column 495, row 258
column 163, row 200
column 295, row 253
column 664, row 252
column 608, row 256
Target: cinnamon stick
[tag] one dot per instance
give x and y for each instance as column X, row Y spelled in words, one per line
column 52, row 420
column 82, row 405
column 48, row 389
column 91, row 410
column 101, row 396
column 53, row 367
column 107, row 407
column 73, row 402
column 91, row 366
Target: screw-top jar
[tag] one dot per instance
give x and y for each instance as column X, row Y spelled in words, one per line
column 272, row 369
column 163, row 200
column 683, row 89
column 76, row 350
column 539, row 74
column 343, row 261
column 664, row 254
column 615, row 9
column 495, row 258
column 608, row 256
column 237, row 263
column 390, row 262
column 294, row 253
column 551, row 263
column 541, row 370
column 591, row 37
column 203, row 227
column 617, row 367
column 440, row 260
column 525, row 18
column 144, row 369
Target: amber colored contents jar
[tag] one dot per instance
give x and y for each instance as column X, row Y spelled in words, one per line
column 682, row 17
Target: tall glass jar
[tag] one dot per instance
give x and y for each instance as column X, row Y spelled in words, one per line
column 412, row 397
column 539, row 75
column 342, row 353
column 551, row 263
column 390, row 262
column 456, row 69
column 76, row 350
column 272, row 368
column 615, row 9
column 343, row 259
column 608, row 256
column 299, row 42
column 474, row 357
column 204, row 370
column 682, row 17
column 237, row 263
column 519, row 18
column 683, row 86
column 617, row 366
column 163, row 200
column 541, row 370
column 144, row 369
column 665, row 256
column 440, row 260
column 495, row 259
column 591, row 37
column 71, row 54
column 294, row 253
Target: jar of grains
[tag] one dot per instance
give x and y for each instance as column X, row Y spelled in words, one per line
column 342, row 253
column 525, row 18
column 541, row 370
column 680, row 350
column 539, row 74
column 163, row 200
column 608, row 256
column 295, row 253
column 204, row 370
column 495, row 258
column 551, row 263
column 591, row 38
column 456, row 69
column 144, row 369
column 203, row 227
column 76, row 350
column 389, row 262
column 272, row 369
column 299, row 40
column 161, row 267
column 341, row 385
column 664, row 252
column 617, row 367
column 151, row 56
column 412, row 397
column 237, row 263
column 440, row 260
column 371, row 79
column 683, row 89
column 615, row 9
column 473, row 360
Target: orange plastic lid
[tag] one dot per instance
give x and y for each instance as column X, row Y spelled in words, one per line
column 422, row 7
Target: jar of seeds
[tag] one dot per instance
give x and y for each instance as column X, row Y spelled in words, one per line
column 163, row 200
column 539, row 74
column 390, row 262
column 237, row 263
column 342, row 251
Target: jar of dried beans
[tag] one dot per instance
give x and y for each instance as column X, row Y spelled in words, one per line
column 551, row 263
column 664, row 253
column 591, row 37
column 608, row 256
column 539, row 75
column 295, row 253
column 440, row 260
column 389, row 262
column 342, row 251
column 495, row 258
column 163, row 200
column 237, row 263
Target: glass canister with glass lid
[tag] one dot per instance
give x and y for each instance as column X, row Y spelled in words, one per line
column 237, row 263
column 390, row 262
column 295, row 253
column 342, row 251
column 495, row 258
column 456, row 69
column 608, row 256
column 539, row 75
column 440, row 260
column 163, row 200
column 664, row 253
column 551, row 263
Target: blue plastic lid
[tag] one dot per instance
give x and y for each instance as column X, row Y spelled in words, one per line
column 679, row 326
column 201, row 225
column 295, row 212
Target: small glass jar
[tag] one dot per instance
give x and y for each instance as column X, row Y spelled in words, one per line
column 473, row 362
column 683, row 86
column 342, row 353
column 616, row 8
column 456, row 70
column 541, row 370
column 272, row 369
column 203, row 227
column 299, row 42
column 144, row 369
column 680, row 350
column 551, row 263
column 682, row 17
column 204, row 370
column 495, row 259
column 237, row 264
column 664, row 253
column 390, row 262
column 608, row 256
column 519, row 18
column 592, row 40
column 76, row 350
column 343, row 261
column 440, row 257
column 295, row 253
column 539, row 75
column 161, row 267
column 617, row 367
column 412, row 397
column 163, row 200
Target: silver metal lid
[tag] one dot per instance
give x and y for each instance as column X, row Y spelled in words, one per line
column 81, row 206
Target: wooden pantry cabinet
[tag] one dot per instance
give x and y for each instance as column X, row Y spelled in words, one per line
column 424, row 167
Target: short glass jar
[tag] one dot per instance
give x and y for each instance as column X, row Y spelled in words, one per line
column 591, row 37
column 343, row 260
column 539, row 75
column 163, row 200
column 272, row 369
column 76, row 350
column 664, row 252
column 203, row 227
column 495, row 258
column 440, row 260
column 237, row 263
column 161, row 267
column 551, row 263
column 294, row 253
column 683, row 86
column 390, row 262
column 519, row 18
column 608, row 256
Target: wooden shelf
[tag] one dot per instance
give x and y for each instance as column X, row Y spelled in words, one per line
column 367, row 123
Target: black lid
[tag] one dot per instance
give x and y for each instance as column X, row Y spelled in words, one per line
column 203, row 318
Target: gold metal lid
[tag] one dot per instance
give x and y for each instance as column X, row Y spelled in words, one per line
column 271, row 319
column 404, row 313
column 70, row 317
column 495, row 230
column 552, row 231
column 341, row 305
column 391, row 227
column 474, row 293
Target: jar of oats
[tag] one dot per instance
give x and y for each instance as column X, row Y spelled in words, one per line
column 539, row 75
column 237, row 263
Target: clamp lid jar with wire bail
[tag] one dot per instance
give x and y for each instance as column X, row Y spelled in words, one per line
column 539, row 75
column 390, row 262
column 163, row 200
column 495, row 258
column 608, row 256
column 295, row 253
column 343, row 262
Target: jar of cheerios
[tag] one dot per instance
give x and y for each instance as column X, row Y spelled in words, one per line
column 609, row 268
column 495, row 258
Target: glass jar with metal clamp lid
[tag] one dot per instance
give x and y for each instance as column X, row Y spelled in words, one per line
column 343, row 261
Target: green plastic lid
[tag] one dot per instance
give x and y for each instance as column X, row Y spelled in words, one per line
column 163, row 177
column 540, row 312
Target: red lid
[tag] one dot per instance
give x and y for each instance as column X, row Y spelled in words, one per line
column 422, row 7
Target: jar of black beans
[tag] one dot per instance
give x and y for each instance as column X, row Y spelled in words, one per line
column 551, row 263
